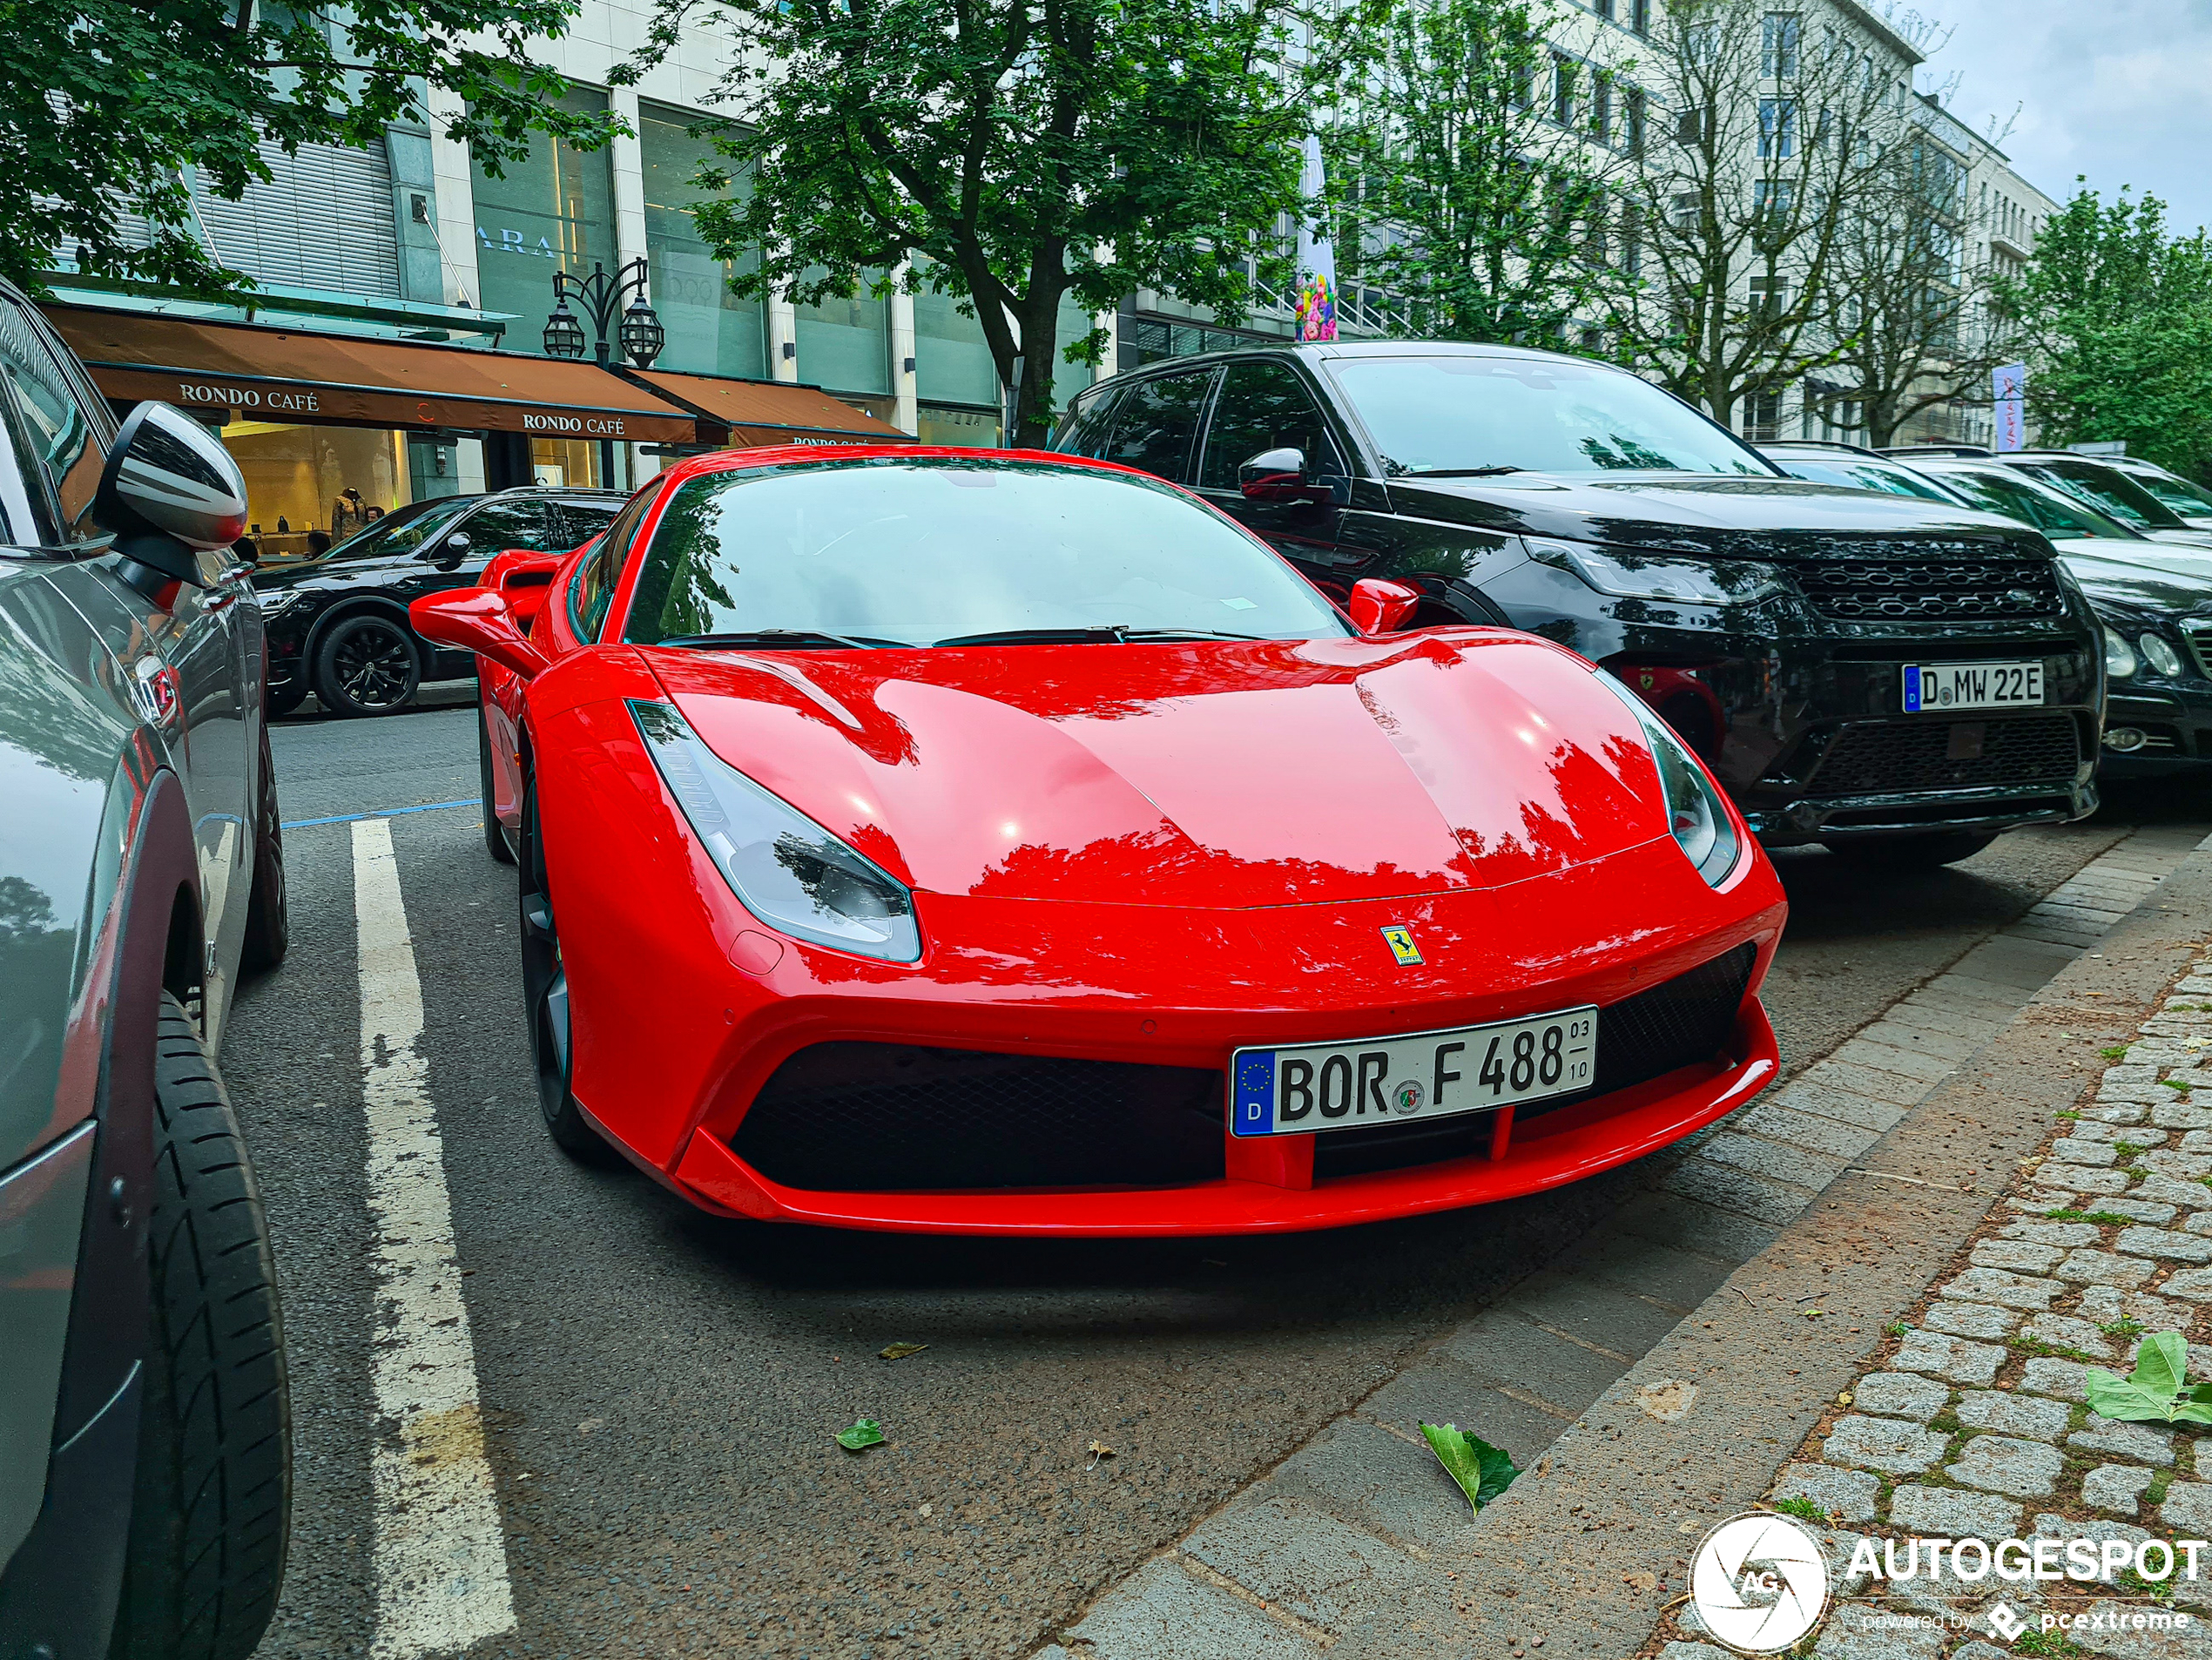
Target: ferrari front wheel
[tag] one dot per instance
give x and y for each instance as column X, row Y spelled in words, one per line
column 546, row 997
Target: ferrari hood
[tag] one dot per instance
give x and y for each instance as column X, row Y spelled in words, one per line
column 1201, row 774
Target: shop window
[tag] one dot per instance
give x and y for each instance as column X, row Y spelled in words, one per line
column 710, row 331
column 958, row 429
column 571, row 462
column 952, row 361
column 845, row 342
column 552, row 210
column 297, row 476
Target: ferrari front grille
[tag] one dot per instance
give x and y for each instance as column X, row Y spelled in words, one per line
column 1675, row 1023
column 888, row 1117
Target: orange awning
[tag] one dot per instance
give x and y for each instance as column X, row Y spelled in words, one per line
column 268, row 373
column 769, row 412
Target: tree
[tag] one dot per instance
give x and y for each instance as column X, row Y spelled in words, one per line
column 104, row 104
column 1011, row 152
column 1482, row 166
column 1916, row 325
column 2118, row 315
column 1778, row 140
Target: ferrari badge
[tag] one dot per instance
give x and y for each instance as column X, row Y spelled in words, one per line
column 1400, row 940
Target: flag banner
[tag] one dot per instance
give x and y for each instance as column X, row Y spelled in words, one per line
column 1317, row 259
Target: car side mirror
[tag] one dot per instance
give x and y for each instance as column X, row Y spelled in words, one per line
column 1274, row 475
column 524, row 577
column 1380, row 606
column 477, row 619
column 170, row 492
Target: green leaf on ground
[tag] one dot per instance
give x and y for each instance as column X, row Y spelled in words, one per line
column 864, row 1434
column 2157, row 1391
column 901, row 1350
column 1482, row 1471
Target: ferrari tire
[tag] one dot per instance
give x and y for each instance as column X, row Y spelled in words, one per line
column 268, row 928
column 1928, row 852
column 545, row 1001
column 210, row 1515
column 495, row 836
column 366, row 664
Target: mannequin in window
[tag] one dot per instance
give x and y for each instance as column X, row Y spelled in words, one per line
column 346, row 516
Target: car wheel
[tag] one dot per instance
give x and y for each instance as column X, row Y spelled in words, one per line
column 545, row 1000
column 367, row 665
column 1912, row 852
column 268, row 928
column 210, row 1515
column 495, row 837
column 277, row 704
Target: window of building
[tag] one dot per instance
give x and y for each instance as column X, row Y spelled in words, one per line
column 957, row 429
column 845, row 339
column 1636, row 107
column 1640, row 16
column 552, row 210
column 1762, row 417
column 1769, row 295
column 952, row 361
column 1778, row 129
column 1779, row 37
column 1564, row 90
column 710, row 331
column 1601, row 106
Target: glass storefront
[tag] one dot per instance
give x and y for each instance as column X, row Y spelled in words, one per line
column 845, row 345
column 957, row 429
column 550, row 211
column 710, row 331
column 300, row 480
column 573, row 461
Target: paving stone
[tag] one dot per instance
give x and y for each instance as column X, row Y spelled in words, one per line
column 2103, row 1268
column 2168, row 1244
column 1778, row 1161
column 2172, row 1191
column 1866, row 1050
column 2138, row 1138
column 2024, row 1256
column 2045, row 1374
column 2183, row 1167
column 2137, row 1441
column 2107, row 1305
column 2194, row 1285
column 1883, row 1444
column 1691, row 1651
column 1945, row 1356
column 2005, row 1464
column 1908, row 1029
column 2082, row 1179
column 1161, row 1610
column 2066, row 1333
column 1739, row 1190
column 1900, row 1394
column 1870, row 1081
column 1779, row 1123
column 2137, row 1210
column 1942, row 1511
column 2181, row 1114
column 2130, row 1072
column 1304, row 1560
column 2068, row 1235
column 1809, row 1094
column 1979, row 1651
column 2187, row 1509
column 1850, row 1495
column 2075, row 1150
column 2014, row 1290
column 1860, row 1631
column 2117, row 1112
column 2038, row 1419
column 1970, row 1319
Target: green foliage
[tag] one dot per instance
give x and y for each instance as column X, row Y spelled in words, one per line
column 2119, row 315
column 2157, row 1391
column 1482, row 1471
column 1504, row 210
column 1803, row 1509
column 102, row 102
column 1016, row 150
column 2114, row 1053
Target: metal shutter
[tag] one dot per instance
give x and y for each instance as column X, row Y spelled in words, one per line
column 324, row 220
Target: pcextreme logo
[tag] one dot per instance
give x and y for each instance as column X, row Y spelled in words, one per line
column 1759, row 1582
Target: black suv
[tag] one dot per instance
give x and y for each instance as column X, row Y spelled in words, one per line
column 1897, row 679
column 337, row 625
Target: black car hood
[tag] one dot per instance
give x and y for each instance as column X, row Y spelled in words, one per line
column 2151, row 576
column 1731, row 517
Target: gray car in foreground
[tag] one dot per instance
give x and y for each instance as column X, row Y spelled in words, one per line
column 144, row 1446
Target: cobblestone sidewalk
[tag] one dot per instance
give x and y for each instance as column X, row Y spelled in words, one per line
column 1974, row 1424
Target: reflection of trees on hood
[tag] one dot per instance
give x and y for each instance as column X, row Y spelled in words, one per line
column 25, row 912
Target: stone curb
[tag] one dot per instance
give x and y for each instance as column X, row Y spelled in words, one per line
column 1599, row 1534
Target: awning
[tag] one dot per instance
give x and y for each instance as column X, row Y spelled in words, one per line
column 768, row 412
column 344, row 380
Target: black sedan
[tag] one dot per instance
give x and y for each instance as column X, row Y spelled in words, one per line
column 338, row 627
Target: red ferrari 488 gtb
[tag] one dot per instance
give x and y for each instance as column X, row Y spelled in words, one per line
column 1001, row 843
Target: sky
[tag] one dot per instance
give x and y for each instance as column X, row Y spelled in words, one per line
column 2118, row 90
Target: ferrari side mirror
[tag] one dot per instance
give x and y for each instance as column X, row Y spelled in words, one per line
column 477, row 619
column 1381, row 606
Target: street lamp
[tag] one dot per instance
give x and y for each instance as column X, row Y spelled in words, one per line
column 601, row 296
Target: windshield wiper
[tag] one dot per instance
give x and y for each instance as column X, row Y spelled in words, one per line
column 1185, row 634
column 1463, row 472
column 799, row 638
column 1096, row 634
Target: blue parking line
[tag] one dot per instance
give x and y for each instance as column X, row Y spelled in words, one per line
column 382, row 813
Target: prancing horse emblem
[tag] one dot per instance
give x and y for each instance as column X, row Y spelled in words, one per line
column 1400, row 941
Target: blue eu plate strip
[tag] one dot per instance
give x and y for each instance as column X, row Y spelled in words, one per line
column 1255, row 1099
column 1911, row 690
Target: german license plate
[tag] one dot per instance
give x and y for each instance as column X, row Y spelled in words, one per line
column 1933, row 687
column 1428, row 1075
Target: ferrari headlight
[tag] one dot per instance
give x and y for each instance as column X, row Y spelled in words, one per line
column 1626, row 574
column 2159, row 655
column 1695, row 811
column 784, row 867
column 2120, row 657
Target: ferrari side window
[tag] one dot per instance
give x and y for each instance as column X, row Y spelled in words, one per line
column 597, row 577
column 1264, row 406
column 1156, row 421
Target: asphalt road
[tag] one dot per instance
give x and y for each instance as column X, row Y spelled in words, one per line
column 660, row 1389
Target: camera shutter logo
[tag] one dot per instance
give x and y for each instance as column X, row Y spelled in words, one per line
column 1759, row 1582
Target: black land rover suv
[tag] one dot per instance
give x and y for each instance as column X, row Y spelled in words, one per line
column 1897, row 679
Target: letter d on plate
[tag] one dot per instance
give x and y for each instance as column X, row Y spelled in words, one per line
column 1254, row 1104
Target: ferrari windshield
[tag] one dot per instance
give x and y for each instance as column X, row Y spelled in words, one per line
column 1468, row 413
column 935, row 551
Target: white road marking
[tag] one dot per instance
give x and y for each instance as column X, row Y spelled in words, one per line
column 440, row 1557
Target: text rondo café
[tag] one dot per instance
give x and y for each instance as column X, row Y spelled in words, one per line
column 303, row 401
